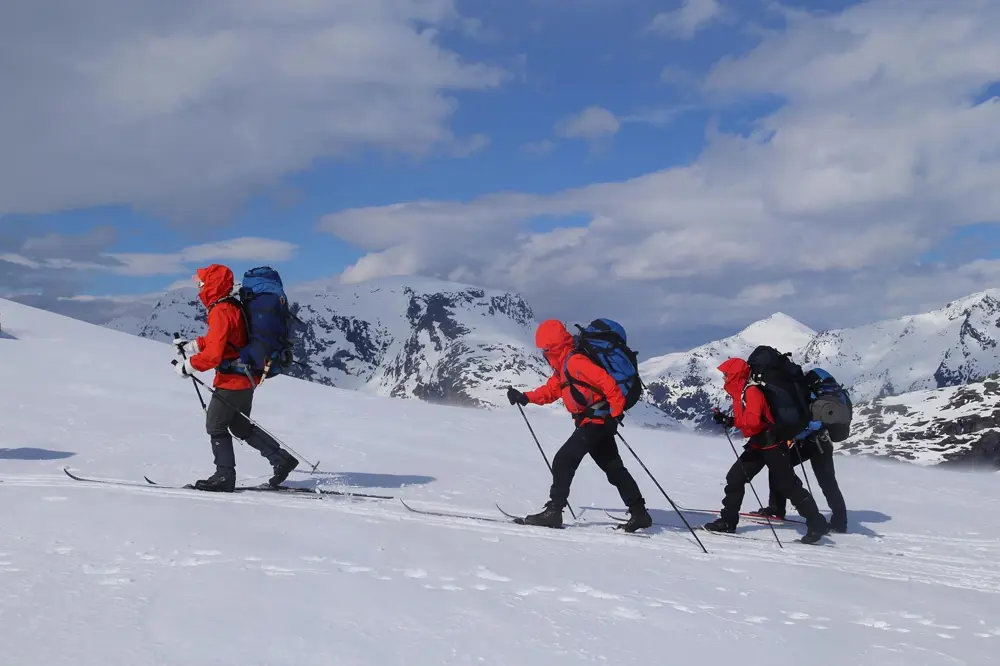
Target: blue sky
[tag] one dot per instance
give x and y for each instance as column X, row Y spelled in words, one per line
column 686, row 166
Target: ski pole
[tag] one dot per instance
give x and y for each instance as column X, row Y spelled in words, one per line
column 542, row 451
column 634, row 455
column 802, row 464
column 750, row 483
column 264, row 430
column 204, row 407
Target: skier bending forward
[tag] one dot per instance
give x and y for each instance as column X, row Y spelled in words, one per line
column 594, row 434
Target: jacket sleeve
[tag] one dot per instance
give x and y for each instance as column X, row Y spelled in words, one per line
column 751, row 418
column 590, row 373
column 547, row 393
column 213, row 343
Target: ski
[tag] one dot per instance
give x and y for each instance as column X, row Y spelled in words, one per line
column 735, row 536
column 112, row 482
column 764, row 540
column 313, row 492
column 264, row 487
column 747, row 515
column 446, row 514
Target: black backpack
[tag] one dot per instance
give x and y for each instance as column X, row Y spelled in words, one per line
column 785, row 389
column 831, row 404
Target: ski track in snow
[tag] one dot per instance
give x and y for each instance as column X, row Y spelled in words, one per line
column 97, row 574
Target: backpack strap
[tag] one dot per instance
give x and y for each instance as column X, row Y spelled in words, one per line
column 600, row 408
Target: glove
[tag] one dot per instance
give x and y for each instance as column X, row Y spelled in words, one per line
column 189, row 347
column 722, row 419
column 183, row 368
column 619, row 419
column 516, row 397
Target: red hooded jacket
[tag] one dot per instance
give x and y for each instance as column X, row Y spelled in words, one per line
column 556, row 344
column 227, row 331
column 751, row 413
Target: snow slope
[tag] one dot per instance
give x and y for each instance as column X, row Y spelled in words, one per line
column 95, row 575
column 687, row 385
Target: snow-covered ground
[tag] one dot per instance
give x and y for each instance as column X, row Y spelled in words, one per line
column 99, row 575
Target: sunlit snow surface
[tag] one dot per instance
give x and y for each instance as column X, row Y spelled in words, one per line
column 100, row 575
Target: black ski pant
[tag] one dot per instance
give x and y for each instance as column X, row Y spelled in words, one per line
column 750, row 463
column 599, row 441
column 818, row 449
column 223, row 420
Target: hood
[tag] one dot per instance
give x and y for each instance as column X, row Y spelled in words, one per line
column 554, row 341
column 218, row 284
column 737, row 373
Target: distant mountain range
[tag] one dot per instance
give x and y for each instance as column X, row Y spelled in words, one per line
column 419, row 338
column 459, row 344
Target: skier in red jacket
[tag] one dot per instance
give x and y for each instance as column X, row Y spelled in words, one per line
column 233, row 396
column 596, row 417
column 752, row 416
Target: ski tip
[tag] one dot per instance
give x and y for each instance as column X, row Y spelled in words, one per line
column 149, row 481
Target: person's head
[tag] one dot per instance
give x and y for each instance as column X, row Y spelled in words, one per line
column 736, row 371
column 214, row 283
column 554, row 341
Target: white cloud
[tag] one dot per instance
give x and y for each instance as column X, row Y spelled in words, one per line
column 594, row 122
column 687, row 19
column 766, row 293
column 878, row 153
column 187, row 106
column 237, row 249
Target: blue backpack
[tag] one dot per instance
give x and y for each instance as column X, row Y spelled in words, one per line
column 831, row 404
column 604, row 342
column 269, row 322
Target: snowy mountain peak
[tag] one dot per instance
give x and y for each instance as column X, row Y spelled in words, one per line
column 950, row 346
column 780, row 331
column 407, row 338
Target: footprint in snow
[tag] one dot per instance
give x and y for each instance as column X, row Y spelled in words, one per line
column 55, row 498
column 415, row 573
column 208, row 553
column 755, row 619
column 627, row 613
column 591, row 592
column 92, row 570
column 797, row 616
column 486, row 574
column 116, row 581
column 535, row 590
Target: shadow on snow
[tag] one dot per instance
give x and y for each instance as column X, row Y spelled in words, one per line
column 363, row 480
column 29, row 453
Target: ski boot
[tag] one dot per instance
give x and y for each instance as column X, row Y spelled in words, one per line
column 639, row 519
column 838, row 524
column 282, row 469
column 223, row 481
column 550, row 516
column 816, row 531
column 720, row 525
column 768, row 513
